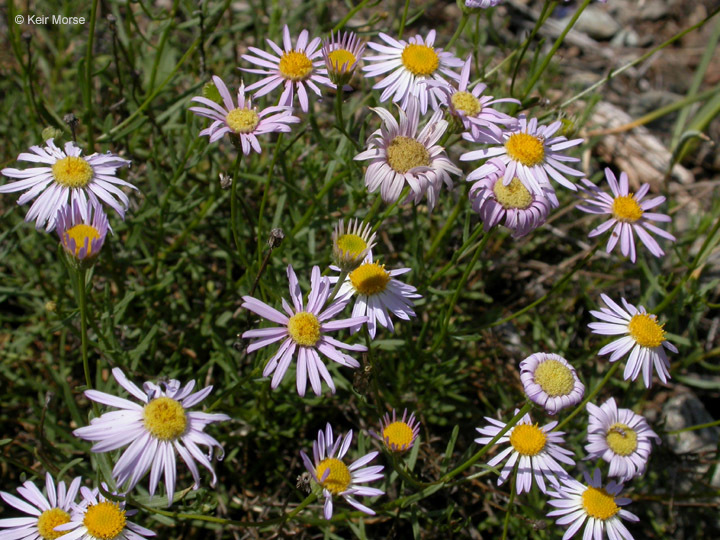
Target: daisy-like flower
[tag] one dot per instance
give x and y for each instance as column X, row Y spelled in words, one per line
column 620, row 437
column 471, row 107
column 304, row 329
column 244, row 122
column 98, row 518
column 400, row 155
column 550, row 381
column 535, row 449
column 629, row 215
column 598, row 505
column 644, row 339
column 156, row 429
column 410, row 66
column 341, row 53
column 337, row 479
column 350, row 248
column 82, row 237
column 522, row 210
column 378, row 294
column 46, row 511
column 292, row 67
column 482, row 4
column 398, row 435
column 67, row 178
column 530, row 153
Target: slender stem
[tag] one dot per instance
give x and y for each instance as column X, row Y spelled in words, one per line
column 82, row 306
column 590, row 396
column 390, row 208
column 88, row 77
column 546, row 11
column 233, row 202
column 339, row 120
column 457, row 254
column 349, row 16
column 694, row 428
column 405, row 475
column 336, row 289
column 263, row 202
column 449, row 223
column 458, row 31
column 513, row 479
column 403, row 19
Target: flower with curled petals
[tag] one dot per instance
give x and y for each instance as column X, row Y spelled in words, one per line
column 551, row 382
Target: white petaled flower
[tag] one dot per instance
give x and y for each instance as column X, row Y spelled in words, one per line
column 243, row 122
column 644, row 339
column 536, row 451
column 532, row 153
column 350, row 248
column 293, row 67
column 82, row 237
column 620, row 437
column 550, row 381
column 304, row 329
column 482, row 4
column 522, row 210
column 65, row 177
column 341, row 53
column 410, row 65
column 629, row 215
column 379, row 294
column 337, row 479
column 398, row 435
column 45, row 511
column 598, row 505
column 156, row 429
column 400, row 155
column 98, row 518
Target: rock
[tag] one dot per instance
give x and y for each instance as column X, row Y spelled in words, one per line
column 596, row 23
column 685, row 410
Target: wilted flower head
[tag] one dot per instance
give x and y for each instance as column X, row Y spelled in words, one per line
column 342, row 53
column 82, row 236
column 351, row 247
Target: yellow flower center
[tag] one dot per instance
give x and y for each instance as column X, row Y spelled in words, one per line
column 398, row 434
column 242, row 120
column 514, row 195
column 80, row 233
column 467, row 103
column 554, row 378
column 370, row 278
column 599, row 504
column 420, row 59
column 527, row 149
column 342, row 60
column 72, row 172
column 621, row 439
column 528, row 440
column 304, row 329
column 625, row 208
column 50, row 519
column 404, row 153
column 104, row 520
column 646, row 331
column 165, row 418
column 351, row 245
column 295, row 65
column 338, row 479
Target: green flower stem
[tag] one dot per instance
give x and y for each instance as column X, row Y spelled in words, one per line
column 694, row 428
column 234, row 204
column 404, row 474
column 336, row 289
column 81, row 298
column 339, row 120
column 457, row 254
column 513, row 479
column 461, row 26
column 589, row 397
column 547, row 10
column 403, row 19
column 349, row 16
column 88, row 93
column 449, row 224
column 390, row 208
column 263, row 202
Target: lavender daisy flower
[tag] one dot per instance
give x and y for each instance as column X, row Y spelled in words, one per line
column 535, row 449
column 482, row 4
column 410, row 66
column 82, row 237
column 398, row 435
column 304, row 330
column 550, row 381
column 156, row 429
column 629, row 215
column 399, row 155
column 337, row 479
column 67, row 178
column 620, row 437
column 350, row 248
column 341, row 53
column 243, row 122
column 293, row 67
column 598, row 505
column 644, row 339
column 45, row 511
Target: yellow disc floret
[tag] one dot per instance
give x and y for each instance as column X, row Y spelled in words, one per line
column 646, row 331
column 242, row 120
column 370, row 278
column 295, row 65
column 80, row 233
column 398, row 435
column 526, row 149
column 466, row 103
column 342, row 60
column 404, row 153
column 49, row 519
column 338, row 479
column 555, row 378
column 420, row 59
column 351, row 245
column 528, row 440
column 104, row 520
column 72, row 172
column 621, row 439
column 599, row 504
column 165, row 418
column 513, row 196
column 304, row 329
column 626, row 208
